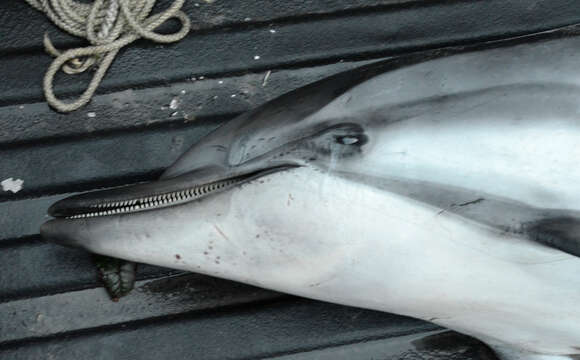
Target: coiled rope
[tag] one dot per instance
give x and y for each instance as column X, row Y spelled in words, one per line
column 108, row 25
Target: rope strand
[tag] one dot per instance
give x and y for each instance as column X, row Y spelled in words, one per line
column 108, row 25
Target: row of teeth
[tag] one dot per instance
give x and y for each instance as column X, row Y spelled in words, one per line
column 120, row 207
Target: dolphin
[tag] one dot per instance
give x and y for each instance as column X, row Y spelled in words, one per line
column 441, row 185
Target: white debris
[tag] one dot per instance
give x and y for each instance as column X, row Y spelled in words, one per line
column 188, row 117
column 266, row 77
column 174, row 113
column 256, row 57
column 12, row 185
column 174, row 104
column 233, row 95
column 201, row 78
column 272, row 31
column 21, row 107
column 91, row 114
column 247, row 19
column 220, row 82
column 183, row 92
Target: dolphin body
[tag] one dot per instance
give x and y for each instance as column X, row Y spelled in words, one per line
column 441, row 185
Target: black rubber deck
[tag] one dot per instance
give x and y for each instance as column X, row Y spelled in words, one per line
column 51, row 303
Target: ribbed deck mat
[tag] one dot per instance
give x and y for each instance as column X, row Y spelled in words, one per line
column 51, row 304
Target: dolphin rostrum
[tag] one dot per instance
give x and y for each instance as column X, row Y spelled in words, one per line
column 443, row 186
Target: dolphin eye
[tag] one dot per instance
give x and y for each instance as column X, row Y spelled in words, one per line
column 356, row 139
column 339, row 141
column 348, row 140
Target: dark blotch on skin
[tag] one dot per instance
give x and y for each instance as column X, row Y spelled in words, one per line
column 476, row 201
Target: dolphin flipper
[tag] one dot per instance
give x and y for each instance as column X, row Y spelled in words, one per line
column 562, row 233
column 510, row 353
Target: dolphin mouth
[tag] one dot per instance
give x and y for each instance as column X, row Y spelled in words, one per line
column 149, row 196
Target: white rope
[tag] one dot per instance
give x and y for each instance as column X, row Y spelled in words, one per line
column 108, row 25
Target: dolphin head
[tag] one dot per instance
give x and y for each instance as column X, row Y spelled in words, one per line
column 253, row 201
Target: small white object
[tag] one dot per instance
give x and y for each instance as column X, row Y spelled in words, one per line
column 12, row 185
column 220, row 82
column 91, row 114
column 266, row 77
column 174, row 113
column 174, row 104
column 21, row 107
column 183, row 92
column 272, row 31
column 201, row 77
column 256, row 57
column 233, row 95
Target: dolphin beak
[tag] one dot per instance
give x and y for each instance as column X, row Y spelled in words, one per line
column 77, row 215
column 132, row 196
column 57, row 231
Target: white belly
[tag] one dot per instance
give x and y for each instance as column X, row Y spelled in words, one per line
column 361, row 246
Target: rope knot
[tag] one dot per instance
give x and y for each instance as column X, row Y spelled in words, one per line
column 108, row 25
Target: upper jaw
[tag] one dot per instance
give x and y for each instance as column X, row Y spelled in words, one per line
column 162, row 193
